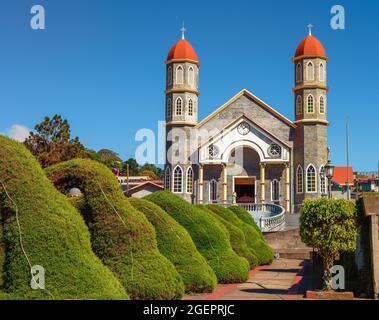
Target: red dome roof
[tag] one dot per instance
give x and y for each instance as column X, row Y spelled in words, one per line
column 182, row 50
column 310, row 46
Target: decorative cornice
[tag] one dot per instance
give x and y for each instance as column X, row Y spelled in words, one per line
column 183, row 60
column 182, row 90
column 295, row 59
column 320, row 121
column 180, row 123
column 310, row 86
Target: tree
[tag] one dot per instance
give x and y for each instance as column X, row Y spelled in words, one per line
column 51, row 142
column 148, row 173
column 134, row 167
column 110, row 158
column 330, row 226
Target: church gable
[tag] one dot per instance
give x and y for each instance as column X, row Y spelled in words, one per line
column 245, row 103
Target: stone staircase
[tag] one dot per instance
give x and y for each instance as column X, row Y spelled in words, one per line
column 288, row 244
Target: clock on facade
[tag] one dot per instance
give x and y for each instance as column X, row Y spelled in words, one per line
column 213, row 151
column 244, row 128
column 275, row 150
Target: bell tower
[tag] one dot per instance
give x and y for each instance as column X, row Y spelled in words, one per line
column 310, row 108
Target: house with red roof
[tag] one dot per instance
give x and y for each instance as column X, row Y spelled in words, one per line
column 342, row 181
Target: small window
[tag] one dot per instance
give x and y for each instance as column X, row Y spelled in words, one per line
column 299, row 105
column 178, row 180
column 169, row 108
column 190, row 107
column 310, row 104
column 322, row 181
column 213, row 191
column 311, row 179
column 275, row 190
column 322, row 104
column 190, row 180
column 322, row 72
column 191, row 76
column 169, row 75
column 179, row 106
column 299, row 180
column 179, row 75
column 168, row 179
column 310, row 72
column 299, row 76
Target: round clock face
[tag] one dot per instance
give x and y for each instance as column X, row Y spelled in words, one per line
column 213, row 151
column 244, row 128
column 275, row 151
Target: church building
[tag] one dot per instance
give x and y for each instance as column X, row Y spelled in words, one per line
column 246, row 151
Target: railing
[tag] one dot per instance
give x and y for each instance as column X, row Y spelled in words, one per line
column 274, row 222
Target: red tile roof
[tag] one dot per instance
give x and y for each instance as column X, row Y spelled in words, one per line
column 343, row 174
column 182, row 50
column 310, row 46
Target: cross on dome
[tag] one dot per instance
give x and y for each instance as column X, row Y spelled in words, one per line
column 310, row 26
column 183, row 30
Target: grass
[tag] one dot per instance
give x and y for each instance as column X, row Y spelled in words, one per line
column 209, row 235
column 254, row 239
column 176, row 244
column 54, row 236
column 121, row 236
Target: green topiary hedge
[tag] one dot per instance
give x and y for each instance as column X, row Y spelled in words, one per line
column 176, row 244
column 122, row 237
column 254, row 241
column 236, row 237
column 208, row 234
column 246, row 217
column 54, row 236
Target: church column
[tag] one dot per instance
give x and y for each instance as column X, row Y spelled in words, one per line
column 263, row 181
column 201, row 183
column 224, row 183
column 287, row 195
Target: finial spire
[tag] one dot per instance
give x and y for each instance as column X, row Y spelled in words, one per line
column 183, row 30
column 310, row 26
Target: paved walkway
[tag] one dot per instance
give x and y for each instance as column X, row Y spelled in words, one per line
column 283, row 280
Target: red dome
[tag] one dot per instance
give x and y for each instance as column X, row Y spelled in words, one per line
column 310, row 46
column 182, row 50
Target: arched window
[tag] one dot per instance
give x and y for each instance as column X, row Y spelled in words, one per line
column 189, row 180
column 169, row 107
column 310, row 71
column 169, row 75
column 190, row 107
column 191, row 76
column 310, row 104
column 322, row 104
column 275, row 190
column 311, row 179
column 179, row 75
column 178, row 180
column 322, row 72
column 179, row 106
column 299, row 180
column 213, row 191
column 299, row 71
column 299, row 105
column 167, row 179
column 322, row 180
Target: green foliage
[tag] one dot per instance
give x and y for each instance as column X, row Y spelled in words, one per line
column 176, row 244
column 209, row 236
column 254, row 241
column 236, row 237
column 51, row 142
column 245, row 217
column 329, row 225
column 122, row 237
column 54, row 236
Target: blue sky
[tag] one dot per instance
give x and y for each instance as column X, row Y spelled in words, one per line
column 100, row 64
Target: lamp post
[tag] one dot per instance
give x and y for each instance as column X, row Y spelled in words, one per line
column 329, row 171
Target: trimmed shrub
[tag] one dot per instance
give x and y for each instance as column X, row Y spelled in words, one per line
column 176, row 245
column 54, row 236
column 254, row 241
column 209, row 236
column 246, row 217
column 122, row 237
column 236, row 237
